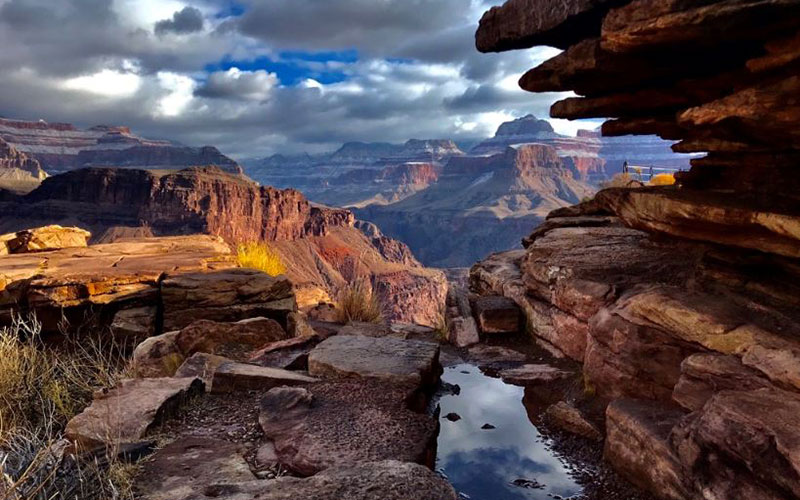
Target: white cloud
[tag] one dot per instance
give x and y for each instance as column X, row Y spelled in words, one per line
column 108, row 83
column 145, row 13
column 180, row 92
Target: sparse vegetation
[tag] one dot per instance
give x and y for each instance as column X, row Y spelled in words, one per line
column 662, row 180
column 621, row 180
column 357, row 302
column 41, row 388
column 259, row 255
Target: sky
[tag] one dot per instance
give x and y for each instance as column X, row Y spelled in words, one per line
column 257, row 77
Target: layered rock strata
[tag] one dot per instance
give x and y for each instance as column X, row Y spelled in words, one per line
column 683, row 297
column 18, row 172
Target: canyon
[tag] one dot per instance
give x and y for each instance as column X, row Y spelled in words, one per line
column 61, row 147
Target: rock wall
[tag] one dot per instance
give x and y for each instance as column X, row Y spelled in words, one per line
column 681, row 301
column 18, row 172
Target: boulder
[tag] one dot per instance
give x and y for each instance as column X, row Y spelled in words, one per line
column 496, row 314
column 225, row 296
column 136, row 324
column 203, row 366
column 534, row 374
column 387, row 480
column 343, row 423
column 389, row 359
column 43, row 239
column 157, row 357
column 232, row 340
column 182, row 470
column 230, row 377
column 127, row 412
column 289, row 354
column 637, row 446
column 567, row 417
column 462, row 331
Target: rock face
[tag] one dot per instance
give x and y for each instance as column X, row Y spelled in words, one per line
column 60, row 147
column 682, row 294
column 343, row 423
column 18, row 172
column 480, row 204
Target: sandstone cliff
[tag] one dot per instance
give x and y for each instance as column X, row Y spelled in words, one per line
column 320, row 246
column 680, row 301
column 60, row 147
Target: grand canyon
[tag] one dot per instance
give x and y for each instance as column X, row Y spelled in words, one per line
column 356, row 260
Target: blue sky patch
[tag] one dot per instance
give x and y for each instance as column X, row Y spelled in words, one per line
column 293, row 67
column 231, row 9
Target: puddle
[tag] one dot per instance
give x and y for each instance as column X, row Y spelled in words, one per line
column 485, row 464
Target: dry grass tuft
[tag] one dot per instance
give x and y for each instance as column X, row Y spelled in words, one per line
column 357, row 302
column 41, row 388
column 621, row 181
column 260, row 256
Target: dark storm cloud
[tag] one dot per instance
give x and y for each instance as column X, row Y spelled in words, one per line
column 416, row 73
column 188, row 20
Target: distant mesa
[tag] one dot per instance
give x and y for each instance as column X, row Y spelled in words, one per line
column 61, row 147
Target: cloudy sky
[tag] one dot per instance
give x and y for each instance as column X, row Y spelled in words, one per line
column 255, row 77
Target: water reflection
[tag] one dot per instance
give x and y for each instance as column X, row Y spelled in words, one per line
column 484, row 464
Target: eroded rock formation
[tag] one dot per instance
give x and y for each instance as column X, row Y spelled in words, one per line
column 18, row 172
column 680, row 301
column 60, row 147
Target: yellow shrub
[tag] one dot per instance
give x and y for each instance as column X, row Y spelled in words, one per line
column 662, row 180
column 260, row 256
column 356, row 302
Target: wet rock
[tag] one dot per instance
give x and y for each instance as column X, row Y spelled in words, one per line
column 637, row 446
column 488, row 427
column 225, row 296
column 702, row 375
column 232, row 340
column 497, row 315
column 203, row 366
column 570, row 419
column 183, row 470
column 488, row 354
column 531, row 484
column 534, row 374
column 157, row 357
column 341, row 423
column 387, row 480
column 453, row 417
column 127, row 412
column 230, row 377
column 43, row 239
column 389, row 359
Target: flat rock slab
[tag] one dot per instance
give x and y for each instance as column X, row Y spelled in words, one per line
column 342, row 423
column 390, row 359
column 230, row 377
column 497, row 315
column 42, row 239
column 127, row 412
column 534, row 374
column 489, row 354
column 184, row 469
column 202, row 366
column 386, row 480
